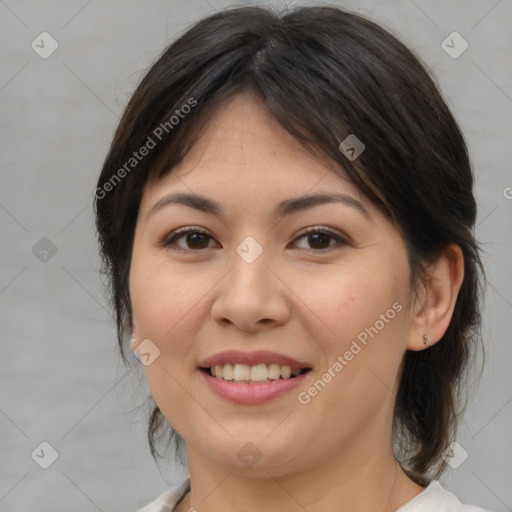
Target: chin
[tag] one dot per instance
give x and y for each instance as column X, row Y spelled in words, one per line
column 254, row 455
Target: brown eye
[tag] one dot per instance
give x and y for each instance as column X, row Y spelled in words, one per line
column 195, row 239
column 321, row 239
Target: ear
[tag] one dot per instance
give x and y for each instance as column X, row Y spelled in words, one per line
column 435, row 303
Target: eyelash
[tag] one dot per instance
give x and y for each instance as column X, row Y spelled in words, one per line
column 169, row 240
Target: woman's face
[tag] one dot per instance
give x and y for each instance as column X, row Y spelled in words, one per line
column 253, row 292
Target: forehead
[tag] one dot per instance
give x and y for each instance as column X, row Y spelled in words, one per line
column 243, row 150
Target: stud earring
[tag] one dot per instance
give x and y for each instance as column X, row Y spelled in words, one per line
column 426, row 341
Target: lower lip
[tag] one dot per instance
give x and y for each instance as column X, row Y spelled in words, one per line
column 253, row 393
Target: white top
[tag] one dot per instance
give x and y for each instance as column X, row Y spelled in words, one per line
column 433, row 499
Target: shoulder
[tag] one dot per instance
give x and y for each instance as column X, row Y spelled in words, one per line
column 435, row 497
column 168, row 500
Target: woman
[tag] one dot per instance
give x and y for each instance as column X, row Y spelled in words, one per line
column 285, row 216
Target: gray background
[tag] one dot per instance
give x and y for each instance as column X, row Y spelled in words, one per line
column 61, row 380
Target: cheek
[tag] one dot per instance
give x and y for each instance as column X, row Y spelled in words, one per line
column 363, row 312
column 348, row 301
column 161, row 297
column 166, row 308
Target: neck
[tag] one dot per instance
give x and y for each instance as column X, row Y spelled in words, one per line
column 356, row 479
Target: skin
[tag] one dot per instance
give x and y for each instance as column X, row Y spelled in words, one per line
column 335, row 453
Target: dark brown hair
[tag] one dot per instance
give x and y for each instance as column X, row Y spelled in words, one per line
column 323, row 73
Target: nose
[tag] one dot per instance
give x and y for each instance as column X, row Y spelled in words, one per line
column 251, row 297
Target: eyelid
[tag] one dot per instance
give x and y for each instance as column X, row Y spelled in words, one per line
column 326, row 230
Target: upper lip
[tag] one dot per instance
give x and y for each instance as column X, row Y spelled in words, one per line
column 252, row 359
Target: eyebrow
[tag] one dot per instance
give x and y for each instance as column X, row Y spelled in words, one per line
column 284, row 208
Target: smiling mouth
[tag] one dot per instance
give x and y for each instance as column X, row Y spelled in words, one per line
column 256, row 374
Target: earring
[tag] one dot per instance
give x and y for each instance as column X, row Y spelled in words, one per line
column 426, row 341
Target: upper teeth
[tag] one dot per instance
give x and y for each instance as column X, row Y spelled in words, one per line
column 258, row 373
